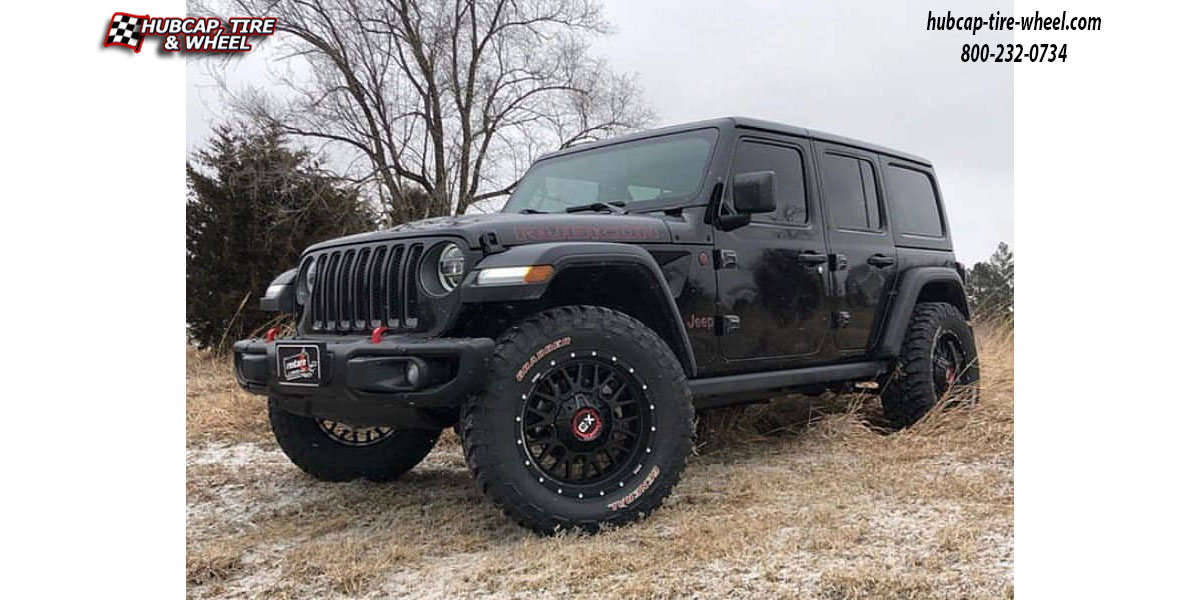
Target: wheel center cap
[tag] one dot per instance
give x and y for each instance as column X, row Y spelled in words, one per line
column 586, row 424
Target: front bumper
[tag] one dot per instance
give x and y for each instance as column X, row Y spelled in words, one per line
column 364, row 383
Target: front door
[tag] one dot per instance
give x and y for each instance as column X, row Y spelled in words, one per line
column 862, row 253
column 772, row 273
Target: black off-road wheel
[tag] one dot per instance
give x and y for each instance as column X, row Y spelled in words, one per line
column 586, row 420
column 938, row 360
column 332, row 451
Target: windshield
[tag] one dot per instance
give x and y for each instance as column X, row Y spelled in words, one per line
column 665, row 167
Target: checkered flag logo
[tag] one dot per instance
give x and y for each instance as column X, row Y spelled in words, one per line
column 125, row 30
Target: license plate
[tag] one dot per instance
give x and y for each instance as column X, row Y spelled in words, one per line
column 299, row 364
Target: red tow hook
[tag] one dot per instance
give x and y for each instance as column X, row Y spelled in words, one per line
column 271, row 333
column 377, row 335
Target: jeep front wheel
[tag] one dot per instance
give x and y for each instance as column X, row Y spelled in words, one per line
column 938, row 359
column 587, row 419
column 333, row 451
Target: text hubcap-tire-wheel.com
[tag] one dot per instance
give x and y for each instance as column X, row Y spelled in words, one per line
column 948, row 362
column 354, row 436
column 585, row 425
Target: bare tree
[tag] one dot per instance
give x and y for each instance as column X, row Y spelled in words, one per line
column 447, row 98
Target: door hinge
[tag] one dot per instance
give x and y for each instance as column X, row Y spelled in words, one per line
column 838, row 262
column 730, row 324
column 726, row 259
column 840, row 319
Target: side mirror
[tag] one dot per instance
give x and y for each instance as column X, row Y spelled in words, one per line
column 754, row 192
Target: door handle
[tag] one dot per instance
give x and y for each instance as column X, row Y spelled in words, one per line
column 881, row 260
column 812, row 258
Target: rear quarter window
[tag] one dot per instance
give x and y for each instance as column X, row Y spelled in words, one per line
column 914, row 202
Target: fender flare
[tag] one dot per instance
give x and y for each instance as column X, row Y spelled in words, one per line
column 281, row 294
column 905, row 301
column 567, row 255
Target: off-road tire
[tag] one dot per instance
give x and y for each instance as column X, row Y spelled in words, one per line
column 304, row 442
column 493, row 433
column 913, row 388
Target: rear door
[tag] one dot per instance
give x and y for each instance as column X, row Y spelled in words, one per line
column 862, row 252
column 771, row 273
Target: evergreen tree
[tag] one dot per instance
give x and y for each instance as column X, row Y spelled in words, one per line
column 253, row 206
column 990, row 285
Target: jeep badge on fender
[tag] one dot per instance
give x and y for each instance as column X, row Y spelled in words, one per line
column 625, row 284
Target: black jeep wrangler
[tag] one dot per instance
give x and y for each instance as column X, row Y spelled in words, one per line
column 625, row 284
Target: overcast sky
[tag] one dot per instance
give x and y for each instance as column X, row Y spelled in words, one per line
column 866, row 70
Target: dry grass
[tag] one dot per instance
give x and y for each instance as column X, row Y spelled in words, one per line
column 217, row 409
column 801, row 498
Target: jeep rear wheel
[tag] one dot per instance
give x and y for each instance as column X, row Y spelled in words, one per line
column 938, row 360
column 333, row 451
column 587, row 419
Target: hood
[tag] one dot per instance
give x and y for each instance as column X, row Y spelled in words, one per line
column 517, row 229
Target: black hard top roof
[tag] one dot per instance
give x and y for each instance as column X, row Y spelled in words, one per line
column 746, row 123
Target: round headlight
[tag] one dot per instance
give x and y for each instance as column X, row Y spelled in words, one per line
column 310, row 277
column 450, row 266
column 308, row 280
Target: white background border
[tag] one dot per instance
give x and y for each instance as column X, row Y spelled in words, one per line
column 92, row 234
column 1107, row 299
column 92, row 227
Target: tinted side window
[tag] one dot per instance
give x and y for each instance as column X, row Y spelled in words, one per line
column 914, row 203
column 850, row 192
column 791, row 206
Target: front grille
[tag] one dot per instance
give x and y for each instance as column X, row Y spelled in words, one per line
column 358, row 289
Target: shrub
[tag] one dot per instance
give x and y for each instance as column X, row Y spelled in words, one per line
column 253, row 206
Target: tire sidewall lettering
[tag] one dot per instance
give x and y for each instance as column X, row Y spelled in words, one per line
column 542, row 352
column 637, row 492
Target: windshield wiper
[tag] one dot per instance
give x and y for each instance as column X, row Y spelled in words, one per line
column 615, row 207
column 532, row 211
